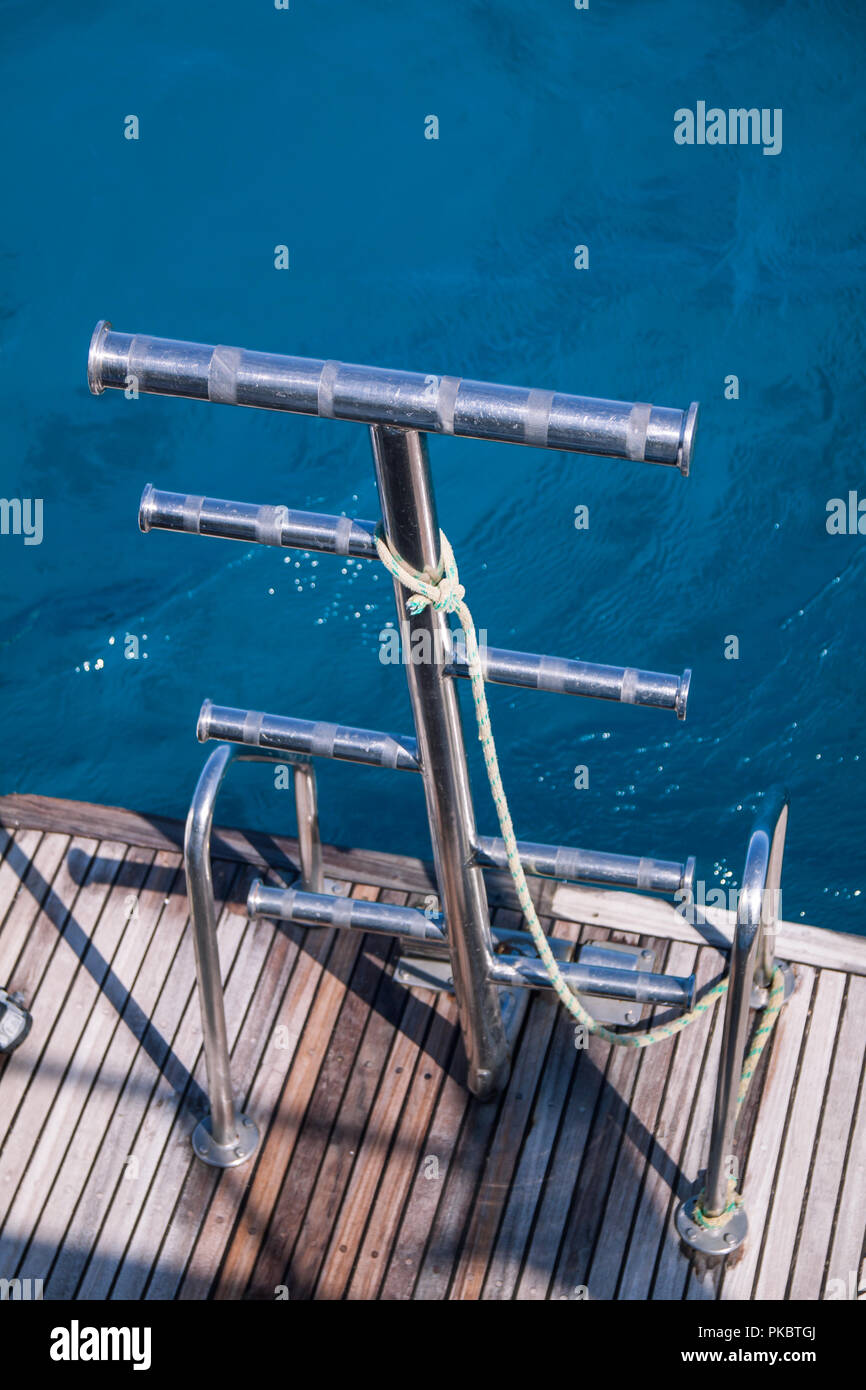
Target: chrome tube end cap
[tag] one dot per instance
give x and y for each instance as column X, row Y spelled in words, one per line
column 253, row 905
column 145, row 508
column 94, row 357
column 687, row 439
column 683, row 689
column 202, row 728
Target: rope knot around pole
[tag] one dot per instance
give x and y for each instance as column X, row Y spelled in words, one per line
column 445, row 594
column 448, row 595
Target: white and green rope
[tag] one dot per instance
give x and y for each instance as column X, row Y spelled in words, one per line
column 447, row 595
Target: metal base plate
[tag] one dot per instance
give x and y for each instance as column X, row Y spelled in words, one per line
column 624, row 1012
column 425, row 972
column 759, row 997
column 719, row 1240
column 225, row 1155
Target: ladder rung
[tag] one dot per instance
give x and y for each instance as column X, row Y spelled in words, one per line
column 642, row 986
column 385, row 396
column 566, row 677
column 329, row 910
column 316, row 739
column 342, row 535
column 258, row 525
column 590, row 866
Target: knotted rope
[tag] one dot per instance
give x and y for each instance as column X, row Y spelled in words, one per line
column 447, row 595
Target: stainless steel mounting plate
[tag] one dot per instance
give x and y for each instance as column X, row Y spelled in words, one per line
column 612, row 954
column 225, row 1155
column 718, row 1240
column 759, row 996
column 425, row 972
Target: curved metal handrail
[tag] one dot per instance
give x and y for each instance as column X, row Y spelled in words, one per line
column 225, row 1138
column 752, row 963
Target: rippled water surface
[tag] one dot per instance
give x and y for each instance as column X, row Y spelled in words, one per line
column 261, row 127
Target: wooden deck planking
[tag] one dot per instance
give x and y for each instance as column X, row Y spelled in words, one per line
column 378, row 1176
column 804, row 1116
column 158, row 1152
column 256, row 1193
column 60, row 1087
column 652, row 1215
column 121, row 1021
column 767, row 1139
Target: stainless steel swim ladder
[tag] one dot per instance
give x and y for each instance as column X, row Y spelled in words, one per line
column 400, row 409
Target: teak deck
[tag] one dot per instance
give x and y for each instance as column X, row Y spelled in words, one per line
column 378, row 1177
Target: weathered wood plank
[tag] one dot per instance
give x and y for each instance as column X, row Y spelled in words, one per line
column 529, row 1184
column 650, row 1219
column 94, row 1247
column 47, row 969
column 845, row 1265
column 570, row 1178
column 241, row 984
column 64, row 1076
column 249, row 1197
column 672, row 1268
column 761, row 1162
column 832, row 1147
column 32, row 866
column 657, row 1064
column 254, row 1051
column 501, row 1167
column 113, row 1254
column 804, row 1114
column 463, row 1154
column 626, row 911
column 259, row 1227
column 246, row 846
column 593, row 1181
column 650, row 916
column 571, row 1146
column 112, row 1257
column 147, row 946
column 409, row 1153
column 373, row 1142
column 328, row 1153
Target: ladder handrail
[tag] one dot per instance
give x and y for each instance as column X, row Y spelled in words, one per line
column 757, row 913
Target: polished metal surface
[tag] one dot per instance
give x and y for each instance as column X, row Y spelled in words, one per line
column 566, row 677
column 598, row 971
column 226, row 1138
column 278, row 733
column 590, row 866
column 757, row 905
column 398, row 406
column 642, row 986
column 381, row 396
column 621, row 1013
column 710, row 1240
column 328, row 910
column 339, row 535
column 412, row 529
column 309, row 840
column 260, row 525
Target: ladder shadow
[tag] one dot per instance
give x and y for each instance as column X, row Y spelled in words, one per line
column 100, row 869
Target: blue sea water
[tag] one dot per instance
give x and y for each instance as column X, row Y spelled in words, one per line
column 305, row 127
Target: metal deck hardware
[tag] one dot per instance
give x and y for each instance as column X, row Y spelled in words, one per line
column 456, row 948
column 751, row 966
